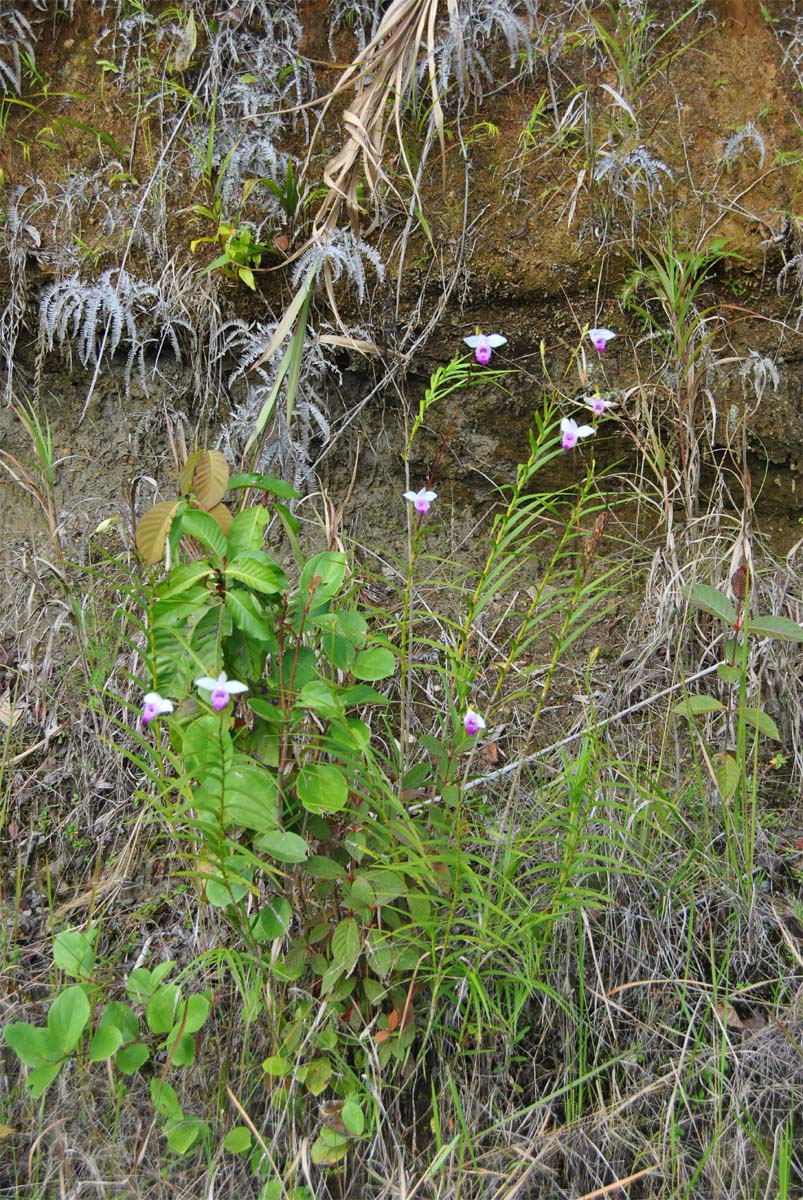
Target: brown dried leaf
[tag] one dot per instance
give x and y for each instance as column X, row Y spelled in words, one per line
column 152, row 530
column 223, row 517
column 490, row 752
column 206, row 474
column 8, row 714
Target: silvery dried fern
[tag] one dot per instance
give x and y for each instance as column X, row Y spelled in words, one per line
column 739, row 143
column 100, row 317
column 627, row 170
column 475, row 30
column 288, row 450
column 17, row 41
column 339, row 252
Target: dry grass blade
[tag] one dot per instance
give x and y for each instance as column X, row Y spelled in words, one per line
column 620, row 1183
column 384, row 70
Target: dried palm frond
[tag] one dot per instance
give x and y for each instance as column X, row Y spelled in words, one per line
column 385, row 70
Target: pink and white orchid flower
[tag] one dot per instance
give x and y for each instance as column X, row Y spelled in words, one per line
column 421, row 500
column 600, row 338
column 222, row 689
column 473, row 722
column 572, row 432
column 598, row 405
column 154, row 705
column 483, row 345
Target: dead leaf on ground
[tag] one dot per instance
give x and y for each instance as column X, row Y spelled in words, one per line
column 9, row 715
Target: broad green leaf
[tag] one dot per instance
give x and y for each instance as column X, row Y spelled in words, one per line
column 269, row 710
column 696, row 706
column 346, row 945
column 375, row 992
column 317, row 1075
column 273, row 920
column 248, row 530
column 182, row 1134
column 206, row 475
column 205, row 529
column 345, row 735
column 221, row 891
column 250, row 796
column 353, row 1117
column 258, row 573
column 207, row 748
column 728, row 674
column 67, row 1018
column 323, row 574
column 353, row 625
column 211, row 629
column 387, row 885
column 709, row 600
column 728, row 774
column 152, row 529
column 763, row 723
column 330, row 977
column 292, row 966
column 329, row 1147
column 193, row 1014
column 322, row 697
column 165, row 1100
column 420, row 908
column 299, row 666
column 283, row 846
column 321, row 867
column 74, row 952
column 41, row 1078
column 171, row 613
column 131, row 1058
column 181, row 1049
column 339, row 650
column 237, row 1140
column 776, row 627
column 264, row 483
column 160, row 1013
column 105, row 1042
column 32, row 1044
column 322, row 788
column 380, row 954
column 361, row 895
column 375, row 664
column 121, row 1017
column 247, row 615
column 182, row 577
column 277, row 1065
column 361, row 693
column 142, row 983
